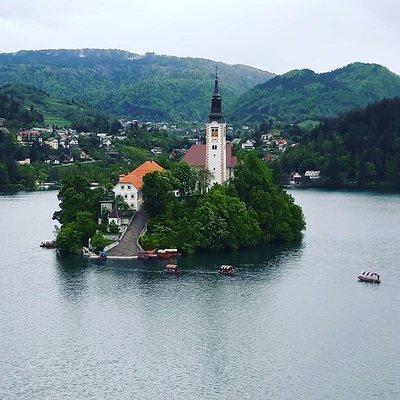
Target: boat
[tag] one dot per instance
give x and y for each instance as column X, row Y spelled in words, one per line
column 48, row 244
column 145, row 255
column 227, row 270
column 172, row 269
column 168, row 253
column 370, row 277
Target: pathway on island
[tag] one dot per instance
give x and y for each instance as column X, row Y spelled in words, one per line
column 128, row 246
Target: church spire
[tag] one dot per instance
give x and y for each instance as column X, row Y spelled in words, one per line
column 216, row 91
column 216, row 102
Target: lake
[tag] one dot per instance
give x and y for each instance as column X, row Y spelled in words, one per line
column 294, row 323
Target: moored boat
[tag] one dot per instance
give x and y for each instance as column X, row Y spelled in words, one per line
column 48, row 244
column 370, row 277
column 168, row 253
column 172, row 269
column 227, row 270
column 145, row 255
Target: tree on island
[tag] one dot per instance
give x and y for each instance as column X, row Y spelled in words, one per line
column 250, row 209
column 79, row 213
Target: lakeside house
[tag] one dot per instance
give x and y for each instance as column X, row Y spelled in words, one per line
column 295, row 179
column 312, row 175
column 309, row 176
column 129, row 186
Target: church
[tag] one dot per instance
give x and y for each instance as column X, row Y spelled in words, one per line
column 216, row 155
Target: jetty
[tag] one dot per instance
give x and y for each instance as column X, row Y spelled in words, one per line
column 128, row 247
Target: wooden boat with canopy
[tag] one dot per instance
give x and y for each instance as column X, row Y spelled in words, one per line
column 227, row 270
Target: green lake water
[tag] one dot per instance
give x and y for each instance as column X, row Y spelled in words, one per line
column 294, row 323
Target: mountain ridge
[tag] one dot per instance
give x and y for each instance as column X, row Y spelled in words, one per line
column 122, row 83
column 304, row 94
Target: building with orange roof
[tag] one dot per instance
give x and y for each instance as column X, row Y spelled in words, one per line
column 129, row 186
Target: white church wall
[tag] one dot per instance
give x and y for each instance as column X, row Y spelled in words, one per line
column 216, row 152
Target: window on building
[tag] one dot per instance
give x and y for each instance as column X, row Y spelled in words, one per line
column 122, row 187
column 126, row 196
column 132, row 196
column 129, row 187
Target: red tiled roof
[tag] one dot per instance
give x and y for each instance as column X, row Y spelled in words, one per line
column 136, row 177
column 196, row 156
column 231, row 160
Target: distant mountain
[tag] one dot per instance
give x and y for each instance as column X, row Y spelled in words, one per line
column 303, row 94
column 55, row 111
column 146, row 86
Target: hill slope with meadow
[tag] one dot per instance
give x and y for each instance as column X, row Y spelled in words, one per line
column 55, row 111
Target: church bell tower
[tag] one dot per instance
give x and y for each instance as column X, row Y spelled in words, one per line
column 216, row 139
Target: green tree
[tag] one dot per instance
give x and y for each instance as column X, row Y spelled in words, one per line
column 69, row 238
column 185, row 178
column 157, row 192
column 75, row 195
column 98, row 242
column 222, row 221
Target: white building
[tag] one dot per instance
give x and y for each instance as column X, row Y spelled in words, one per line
column 313, row 174
column 129, row 186
column 216, row 154
column 26, row 161
column 52, row 143
column 156, row 151
column 248, row 145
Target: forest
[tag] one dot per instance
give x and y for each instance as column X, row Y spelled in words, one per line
column 148, row 87
column 301, row 95
column 360, row 148
column 250, row 210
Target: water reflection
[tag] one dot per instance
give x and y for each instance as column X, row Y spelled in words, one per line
column 261, row 263
column 72, row 274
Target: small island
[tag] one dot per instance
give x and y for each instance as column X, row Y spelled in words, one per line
column 209, row 200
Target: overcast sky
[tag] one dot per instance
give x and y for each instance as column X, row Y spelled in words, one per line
column 275, row 35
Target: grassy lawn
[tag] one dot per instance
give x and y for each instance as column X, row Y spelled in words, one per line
column 59, row 121
column 309, row 124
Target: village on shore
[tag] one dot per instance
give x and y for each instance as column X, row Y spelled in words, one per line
column 62, row 146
